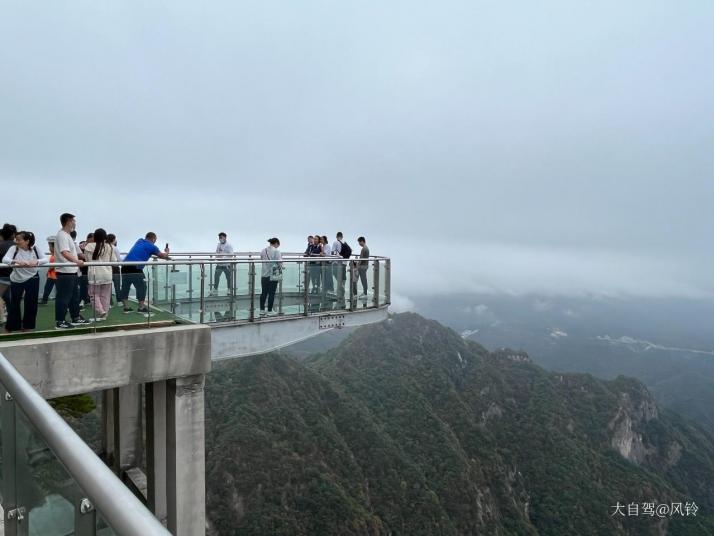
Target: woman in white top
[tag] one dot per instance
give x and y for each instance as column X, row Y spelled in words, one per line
column 326, row 266
column 100, row 277
column 24, row 257
column 271, row 274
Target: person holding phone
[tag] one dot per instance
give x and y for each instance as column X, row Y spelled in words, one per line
column 142, row 250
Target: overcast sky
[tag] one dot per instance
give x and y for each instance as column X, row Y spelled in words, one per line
column 561, row 147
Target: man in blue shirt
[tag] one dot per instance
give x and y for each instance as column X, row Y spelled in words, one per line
column 141, row 251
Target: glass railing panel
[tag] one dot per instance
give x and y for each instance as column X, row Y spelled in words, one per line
column 362, row 283
column 383, row 282
column 165, row 293
column 340, row 284
column 44, row 488
column 159, row 289
column 290, row 292
column 228, row 304
column 40, row 497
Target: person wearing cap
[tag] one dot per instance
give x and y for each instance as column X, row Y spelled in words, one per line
column 270, row 275
column 51, row 273
column 224, row 248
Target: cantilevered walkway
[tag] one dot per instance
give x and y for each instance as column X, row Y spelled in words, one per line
column 148, row 371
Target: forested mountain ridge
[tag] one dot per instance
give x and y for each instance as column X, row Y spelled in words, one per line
column 406, row 428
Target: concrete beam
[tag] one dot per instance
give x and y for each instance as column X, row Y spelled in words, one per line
column 60, row 366
column 185, row 456
column 273, row 333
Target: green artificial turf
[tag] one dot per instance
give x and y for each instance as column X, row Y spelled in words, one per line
column 116, row 319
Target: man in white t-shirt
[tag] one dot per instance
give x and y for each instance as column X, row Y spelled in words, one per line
column 67, row 280
column 224, row 248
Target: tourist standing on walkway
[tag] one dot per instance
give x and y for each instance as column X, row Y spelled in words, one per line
column 51, row 273
column 271, row 274
column 326, row 265
column 133, row 274
column 83, row 282
column 339, row 270
column 362, row 266
column 67, row 297
column 7, row 240
column 24, row 257
column 100, row 277
column 116, row 270
column 224, row 248
column 314, row 250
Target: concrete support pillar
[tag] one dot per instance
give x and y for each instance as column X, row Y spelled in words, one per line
column 156, row 448
column 185, row 456
column 128, row 437
column 108, row 426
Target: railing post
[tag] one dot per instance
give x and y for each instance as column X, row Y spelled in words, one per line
column 306, row 284
column 173, row 298
column 85, row 517
column 202, row 304
column 212, row 279
column 388, row 282
column 234, row 279
column 155, row 287
column 323, row 288
column 166, row 284
column 352, row 284
column 251, row 287
column 375, row 276
column 148, row 297
column 190, row 279
column 9, row 460
column 280, row 297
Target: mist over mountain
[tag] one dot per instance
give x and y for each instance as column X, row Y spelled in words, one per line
column 408, row 428
column 666, row 343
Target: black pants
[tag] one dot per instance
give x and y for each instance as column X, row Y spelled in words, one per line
column 26, row 292
column 362, row 273
column 49, row 285
column 267, row 290
column 315, row 276
column 221, row 269
column 116, row 279
column 129, row 277
column 84, row 288
column 67, row 296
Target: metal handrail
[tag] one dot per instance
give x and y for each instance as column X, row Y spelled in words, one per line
column 119, row 506
column 192, row 262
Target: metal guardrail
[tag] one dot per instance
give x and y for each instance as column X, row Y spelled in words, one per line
column 124, row 513
column 186, row 286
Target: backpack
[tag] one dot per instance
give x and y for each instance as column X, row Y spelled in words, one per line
column 345, row 251
column 17, row 250
column 34, row 248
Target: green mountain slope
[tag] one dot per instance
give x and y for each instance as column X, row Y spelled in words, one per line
column 406, row 428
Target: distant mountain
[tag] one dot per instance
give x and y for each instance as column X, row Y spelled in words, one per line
column 667, row 344
column 407, row 428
